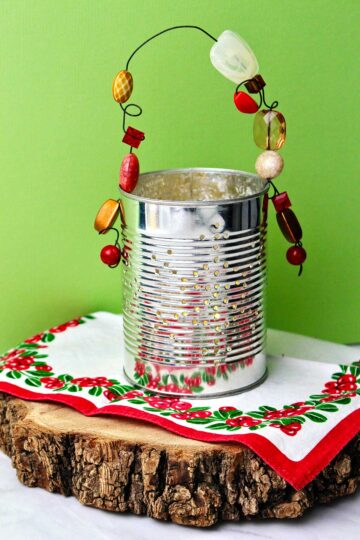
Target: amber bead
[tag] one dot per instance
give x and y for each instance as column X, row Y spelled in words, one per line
column 107, row 215
column 269, row 129
column 289, row 225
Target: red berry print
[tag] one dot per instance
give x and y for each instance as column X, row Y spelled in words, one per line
column 270, row 415
column 290, row 429
column 73, row 323
column 287, row 413
column 58, row 329
column 43, row 368
column 12, row 354
column 173, row 388
column 158, row 402
column 329, row 399
column 20, row 364
column 182, row 416
column 132, row 394
column 193, row 381
column 34, row 339
column 345, row 383
column 181, row 406
column 249, row 361
column 51, row 382
column 110, row 396
column 62, row 327
column 347, row 387
column 152, row 385
column 200, row 414
column 243, row 421
column 87, row 382
column 140, row 368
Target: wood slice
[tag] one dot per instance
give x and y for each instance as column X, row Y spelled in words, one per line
column 125, row 465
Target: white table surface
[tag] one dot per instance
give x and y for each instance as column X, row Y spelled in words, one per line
column 34, row 514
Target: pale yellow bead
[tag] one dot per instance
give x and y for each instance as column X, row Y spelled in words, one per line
column 233, row 57
column 269, row 164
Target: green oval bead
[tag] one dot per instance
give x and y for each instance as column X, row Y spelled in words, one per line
column 269, row 129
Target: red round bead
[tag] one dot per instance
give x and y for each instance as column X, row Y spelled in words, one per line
column 110, row 255
column 245, row 103
column 129, row 173
column 296, row 255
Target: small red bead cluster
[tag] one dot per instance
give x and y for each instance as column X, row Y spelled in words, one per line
column 270, row 134
column 129, row 171
column 130, row 168
column 290, row 227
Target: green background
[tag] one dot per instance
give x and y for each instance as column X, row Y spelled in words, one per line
column 60, row 144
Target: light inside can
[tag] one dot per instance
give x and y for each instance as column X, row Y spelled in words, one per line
column 198, row 185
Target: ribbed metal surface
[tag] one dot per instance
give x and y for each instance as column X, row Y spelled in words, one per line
column 193, row 292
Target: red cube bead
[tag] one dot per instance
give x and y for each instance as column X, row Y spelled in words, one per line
column 281, row 201
column 133, row 137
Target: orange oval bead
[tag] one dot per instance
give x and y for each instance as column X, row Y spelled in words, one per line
column 129, row 173
column 269, row 129
column 122, row 86
column 289, row 225
column 107, row 215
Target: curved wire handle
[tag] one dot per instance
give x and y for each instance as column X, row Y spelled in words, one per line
column 138, row 110
column 126, row 109
column 163, row 32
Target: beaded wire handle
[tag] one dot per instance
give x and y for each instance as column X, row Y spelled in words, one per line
column 234, row 59
column 139, row 111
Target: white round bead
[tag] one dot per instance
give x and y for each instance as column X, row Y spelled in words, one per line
column 269, row 164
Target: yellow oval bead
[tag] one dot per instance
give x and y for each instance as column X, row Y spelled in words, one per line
column 107, row 215
column 269, row 130
column 122, row 86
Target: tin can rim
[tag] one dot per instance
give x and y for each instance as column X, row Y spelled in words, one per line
column 196, row 202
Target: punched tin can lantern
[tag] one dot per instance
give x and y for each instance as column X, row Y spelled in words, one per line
column 193, row 281
column 193, row 246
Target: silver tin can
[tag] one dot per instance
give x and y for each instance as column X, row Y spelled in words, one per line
column 194, row 273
